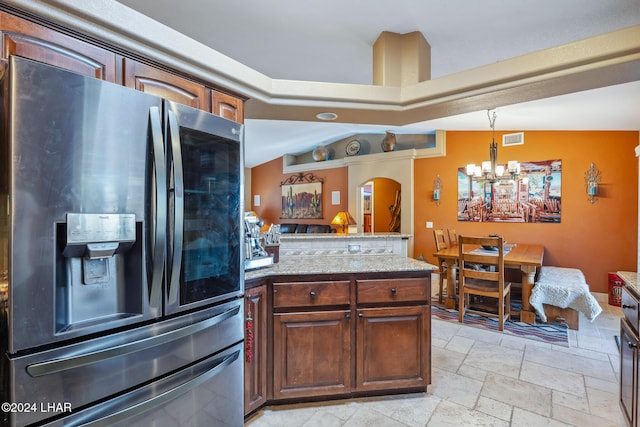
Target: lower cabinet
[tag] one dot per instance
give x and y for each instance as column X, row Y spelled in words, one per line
column 311, row 354
column 348, row 337
column 351, row 334
column 629, row 356
column 628, row 373
column 393, row 347
column 255, row 354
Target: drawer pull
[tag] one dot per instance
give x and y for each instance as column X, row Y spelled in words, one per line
column 348, row 316
column 394, row 291
column 632, row 344
column 312, row 294
column 628, row 306
column 360, row 315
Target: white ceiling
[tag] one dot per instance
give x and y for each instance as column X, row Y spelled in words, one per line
column 331, row 41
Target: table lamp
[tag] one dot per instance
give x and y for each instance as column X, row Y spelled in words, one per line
column 343, row 218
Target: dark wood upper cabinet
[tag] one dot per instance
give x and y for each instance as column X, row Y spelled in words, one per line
column 29, row 40
column 22, row 37
column 161, row 83
column 227, row 106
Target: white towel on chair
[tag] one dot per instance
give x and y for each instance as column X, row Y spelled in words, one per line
column 563, row 287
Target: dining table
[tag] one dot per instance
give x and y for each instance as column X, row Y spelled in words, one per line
column 525, row 257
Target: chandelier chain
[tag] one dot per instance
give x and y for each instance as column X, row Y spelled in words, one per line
column 491, row 114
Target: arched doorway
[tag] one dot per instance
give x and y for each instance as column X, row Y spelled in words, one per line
column 398, row 168
column 380, row 202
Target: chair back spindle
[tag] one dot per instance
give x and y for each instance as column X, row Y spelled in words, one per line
column 453, row 236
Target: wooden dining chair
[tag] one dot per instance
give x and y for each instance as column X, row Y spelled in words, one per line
column 441, row 240
column 453, row 236
column 487, row 282
column 441, row 243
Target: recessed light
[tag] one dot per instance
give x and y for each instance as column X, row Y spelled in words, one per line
column 327, row 116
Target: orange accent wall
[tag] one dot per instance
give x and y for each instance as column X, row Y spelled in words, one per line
column 266, row 179
column 596, row 238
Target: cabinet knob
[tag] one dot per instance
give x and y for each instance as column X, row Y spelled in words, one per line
column 632, row 344
column 628, row 306
column 312, row 294
column 360, row 315
column 348, row 316
column 394, row 291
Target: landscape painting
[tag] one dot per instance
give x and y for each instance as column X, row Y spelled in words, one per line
column 302, row 201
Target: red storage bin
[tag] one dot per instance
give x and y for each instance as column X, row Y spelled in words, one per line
column 615, row 290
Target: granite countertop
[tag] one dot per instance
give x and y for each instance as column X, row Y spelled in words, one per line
column 630, row 278
column 339, row 264
column 355, row 236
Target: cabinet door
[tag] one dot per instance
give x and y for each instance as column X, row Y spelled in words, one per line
column 311, row 354
column 227, row 106
column 630, row 309
column 255, row 362
column 628, row 373
column 33, row 41
column 393, row 348
column 158, row 82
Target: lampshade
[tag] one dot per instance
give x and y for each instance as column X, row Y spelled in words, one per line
column 343, row 218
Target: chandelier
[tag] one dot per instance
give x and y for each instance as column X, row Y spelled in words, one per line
column 490, row 170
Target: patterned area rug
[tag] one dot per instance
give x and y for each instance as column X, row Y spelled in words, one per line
column 554, row 333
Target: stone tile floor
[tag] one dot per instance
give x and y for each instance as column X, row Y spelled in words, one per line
column 485, row 378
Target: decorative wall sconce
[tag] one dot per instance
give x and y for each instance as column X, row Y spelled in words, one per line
column 592, row 178
column 437, row 186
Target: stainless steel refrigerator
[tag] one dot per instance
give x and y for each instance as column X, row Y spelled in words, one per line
column 122, row 245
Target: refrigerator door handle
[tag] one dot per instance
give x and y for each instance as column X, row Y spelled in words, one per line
column 75, row 361
column 163, row 398
column 174, row 138
column 160, row 214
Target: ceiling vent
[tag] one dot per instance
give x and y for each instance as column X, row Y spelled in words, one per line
column 513, row 139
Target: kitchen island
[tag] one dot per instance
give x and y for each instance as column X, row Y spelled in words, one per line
column 332, row 327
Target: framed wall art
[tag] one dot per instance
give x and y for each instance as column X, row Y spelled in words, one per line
column 533, row 195
column 302, row 197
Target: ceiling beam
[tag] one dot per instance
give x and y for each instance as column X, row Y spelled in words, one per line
column 607, row 59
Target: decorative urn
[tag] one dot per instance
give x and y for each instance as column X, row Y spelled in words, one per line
column 389, row 142
column 320, row 153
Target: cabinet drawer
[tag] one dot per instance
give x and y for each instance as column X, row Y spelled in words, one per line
column 392, row 290
column 630, row 308
column 304, row 294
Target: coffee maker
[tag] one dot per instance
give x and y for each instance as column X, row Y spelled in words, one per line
column 255, row 255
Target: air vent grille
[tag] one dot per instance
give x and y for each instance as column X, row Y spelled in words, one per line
column 513, row 139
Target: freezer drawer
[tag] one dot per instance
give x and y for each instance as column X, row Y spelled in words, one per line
column 208, row 393
column 83, row 373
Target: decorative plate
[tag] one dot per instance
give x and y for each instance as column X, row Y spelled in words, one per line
column 353, row 147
